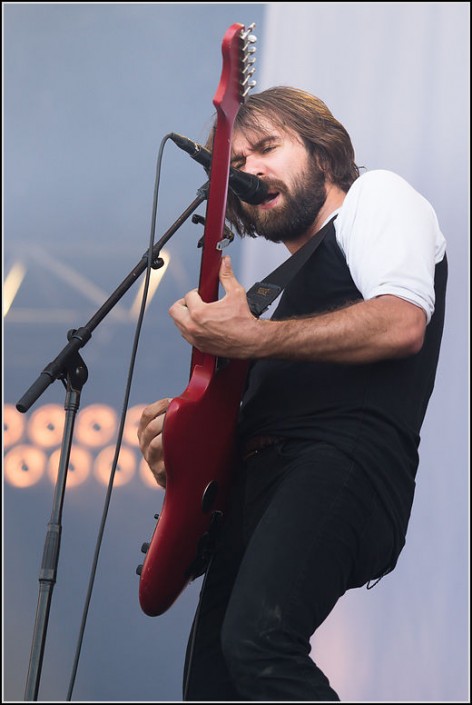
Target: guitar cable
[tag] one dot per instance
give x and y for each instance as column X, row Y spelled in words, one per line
column 151, row 261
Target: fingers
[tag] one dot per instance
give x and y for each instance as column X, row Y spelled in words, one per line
column 151, row 412
column 214, row 327
column 179, row 311
column 233, row 288
column 226, row 269
column 227, row 278
column 183, row 309
column 150, row 437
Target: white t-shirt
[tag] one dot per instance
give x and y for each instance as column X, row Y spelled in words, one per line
column 391, row 239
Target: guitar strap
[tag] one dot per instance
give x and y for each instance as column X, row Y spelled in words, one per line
column 263, row 293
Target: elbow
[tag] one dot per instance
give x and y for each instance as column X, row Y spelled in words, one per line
column 405, row 326
column 412, row 335
column 413, row 345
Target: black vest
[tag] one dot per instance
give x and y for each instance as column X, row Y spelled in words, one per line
column 372, row 412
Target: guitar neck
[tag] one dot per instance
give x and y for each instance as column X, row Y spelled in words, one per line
column 235, row 83
column 237, row 50
column 215, row 213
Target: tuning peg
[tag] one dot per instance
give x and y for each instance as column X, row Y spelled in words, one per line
column 248, row 38
column 247, row 79
column 250, row 85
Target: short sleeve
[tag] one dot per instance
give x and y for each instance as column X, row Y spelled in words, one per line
column 391, row 239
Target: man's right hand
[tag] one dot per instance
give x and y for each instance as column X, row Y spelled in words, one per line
column 150, row 438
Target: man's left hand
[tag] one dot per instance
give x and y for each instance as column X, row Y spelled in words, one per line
column 224, row 328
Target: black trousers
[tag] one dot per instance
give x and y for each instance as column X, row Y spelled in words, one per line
column 304, row 526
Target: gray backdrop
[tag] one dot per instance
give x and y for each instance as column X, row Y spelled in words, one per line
column 89, row 93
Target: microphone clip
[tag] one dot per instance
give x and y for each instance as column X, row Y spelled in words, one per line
column 224, row 242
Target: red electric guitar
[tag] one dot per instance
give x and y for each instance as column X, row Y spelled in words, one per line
column 199, row 426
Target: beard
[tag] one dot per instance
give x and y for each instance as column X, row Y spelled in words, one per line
column 296, row 215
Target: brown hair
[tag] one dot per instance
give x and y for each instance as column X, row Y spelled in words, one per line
column 307, row 116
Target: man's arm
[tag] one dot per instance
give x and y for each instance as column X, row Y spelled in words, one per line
column 380, row 328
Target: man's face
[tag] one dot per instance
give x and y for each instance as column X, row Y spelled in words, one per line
column 296, row 184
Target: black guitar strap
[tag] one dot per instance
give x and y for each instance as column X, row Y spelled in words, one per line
column 263, row 293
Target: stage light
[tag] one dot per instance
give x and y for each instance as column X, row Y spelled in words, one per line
column 131, row 425
column 13, row 425
column 154, row 281
column 46, row 424
column 96, row 425
column 11, row 285
column 80, row 463
column 125, row 468
column 24, row 465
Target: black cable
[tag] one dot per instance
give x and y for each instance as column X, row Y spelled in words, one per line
column 123, row 416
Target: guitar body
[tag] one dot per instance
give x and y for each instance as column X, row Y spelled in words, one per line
column 199, row 432
column 199, row 459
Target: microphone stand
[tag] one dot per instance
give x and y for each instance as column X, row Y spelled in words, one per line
column 70, row 368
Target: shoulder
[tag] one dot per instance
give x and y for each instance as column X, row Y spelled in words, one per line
column 384, row 185
column 391, row 239
column 382, row 201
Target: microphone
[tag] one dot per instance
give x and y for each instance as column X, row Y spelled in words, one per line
column 247, row 187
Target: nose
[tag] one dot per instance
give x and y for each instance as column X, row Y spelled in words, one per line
column 255, row 165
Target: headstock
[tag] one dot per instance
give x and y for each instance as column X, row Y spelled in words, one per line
column 238, row 50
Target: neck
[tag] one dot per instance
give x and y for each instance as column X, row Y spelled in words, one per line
column 334, row 200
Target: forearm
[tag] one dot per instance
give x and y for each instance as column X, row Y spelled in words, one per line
column 376, row 329
column 381, row 328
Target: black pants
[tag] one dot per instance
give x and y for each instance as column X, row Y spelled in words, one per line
column 304, row 526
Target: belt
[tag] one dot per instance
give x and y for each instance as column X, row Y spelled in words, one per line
column 256, row 444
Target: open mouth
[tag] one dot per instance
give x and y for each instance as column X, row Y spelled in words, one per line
column 270, row 197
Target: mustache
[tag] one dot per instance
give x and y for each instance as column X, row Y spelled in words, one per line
column 274, row 185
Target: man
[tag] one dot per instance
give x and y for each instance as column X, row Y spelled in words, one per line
column 336, row 396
